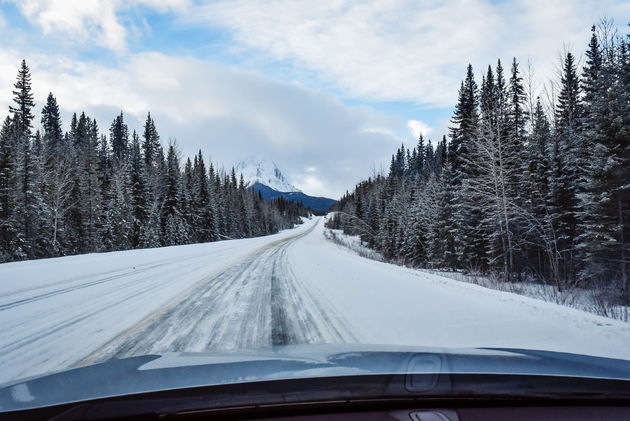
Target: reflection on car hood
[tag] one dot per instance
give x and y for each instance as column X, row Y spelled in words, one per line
column 151, row 373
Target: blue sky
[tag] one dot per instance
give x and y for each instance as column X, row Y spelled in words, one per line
column 326, row 89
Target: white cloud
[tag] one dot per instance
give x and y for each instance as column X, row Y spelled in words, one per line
column 90, row 20
column 315, row 139
column 407, row 50
column 379, row 130
column 382, row 50
column 312, row 185
column 417, row 127
column 376, row 50
column 84, row 19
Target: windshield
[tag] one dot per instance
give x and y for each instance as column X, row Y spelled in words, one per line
column 227, row 178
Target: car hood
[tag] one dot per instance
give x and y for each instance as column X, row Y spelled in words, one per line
column 422, row 366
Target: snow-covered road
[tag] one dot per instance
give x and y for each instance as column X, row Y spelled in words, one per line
column 256, row 303
column 292, row 287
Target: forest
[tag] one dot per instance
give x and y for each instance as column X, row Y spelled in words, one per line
column 530, row 185
column 81, row 191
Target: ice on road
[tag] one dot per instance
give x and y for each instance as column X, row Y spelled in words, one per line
column 292, row 287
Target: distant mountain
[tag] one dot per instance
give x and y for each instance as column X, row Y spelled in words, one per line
column 319, row 205
column 264, row 176
column 266, row 172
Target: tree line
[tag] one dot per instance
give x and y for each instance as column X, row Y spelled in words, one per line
column 81, row 191
column 524, row 187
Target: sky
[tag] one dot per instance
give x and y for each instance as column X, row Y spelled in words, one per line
column 328, row 90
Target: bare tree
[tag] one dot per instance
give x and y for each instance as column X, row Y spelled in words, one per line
column 58, row 197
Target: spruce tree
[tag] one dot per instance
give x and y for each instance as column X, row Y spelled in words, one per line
column 51, row 124
column 22, row 111
column 139, row 193
column 119, row 138
column 24, row 215
column 566, row 167
column 7, row 197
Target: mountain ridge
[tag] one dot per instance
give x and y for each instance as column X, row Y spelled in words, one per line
column 319, row 205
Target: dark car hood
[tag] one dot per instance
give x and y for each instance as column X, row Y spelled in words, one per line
column 152, row 373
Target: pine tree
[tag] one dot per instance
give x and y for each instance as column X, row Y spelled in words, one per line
column 23, row 98
column 206, row 213
column 7, row 197
column 187, row 198
column 518, row 116
column 174, row 229
column 603, row 211
column 51, row 124
column 568, row 108
column 566, row 166
column 24, row 217
column 151, row 143
column 465, row 120
column 469, row 242
column 118, row 224
column 138, row 191
column 89, row 183
column 119, row 138
column 419, row 161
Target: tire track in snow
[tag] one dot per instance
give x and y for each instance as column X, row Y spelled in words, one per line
column 82, row 284
column 257, row 303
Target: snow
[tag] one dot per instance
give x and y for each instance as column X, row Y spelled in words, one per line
column 266, row 172
column 289, row 288
column 56, row 312
column 389, row 304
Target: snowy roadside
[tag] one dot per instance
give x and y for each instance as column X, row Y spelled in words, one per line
column 581, row 299
column 389, row 304
column 55, row 312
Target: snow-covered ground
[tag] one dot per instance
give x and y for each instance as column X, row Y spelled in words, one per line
column 56, row 313
column 588, row 300
column 292, row 287
column 394, row 305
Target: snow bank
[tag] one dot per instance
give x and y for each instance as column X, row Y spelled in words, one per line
column 389, row 304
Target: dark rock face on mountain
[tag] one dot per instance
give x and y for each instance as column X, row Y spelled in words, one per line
column 319, row 205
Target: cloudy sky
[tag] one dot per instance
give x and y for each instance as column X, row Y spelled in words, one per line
column 327, row 89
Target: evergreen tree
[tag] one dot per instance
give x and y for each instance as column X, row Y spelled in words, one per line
column 51, row 124
column 119, row 138
column 518, row 116
column 139, row 193
column 465, row 120
column 22, row 111
column 7, row 176
column 24, row 216
column 566, row 167
column 151, row 143
column 605, row 194
column 469, row 242
column 174, row 229
column 206, row 212
column 87, row 173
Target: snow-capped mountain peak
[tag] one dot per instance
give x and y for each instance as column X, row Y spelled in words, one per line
column 264, row 171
